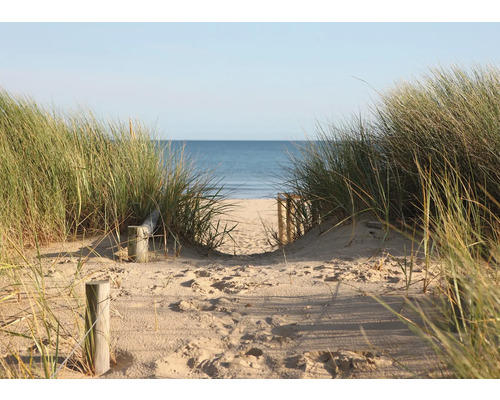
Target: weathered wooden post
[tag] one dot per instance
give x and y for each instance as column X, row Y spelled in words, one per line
column 299, row 224
column 289, row 219
column 281, row 227
column 138, row 243
column 292, row 226
column 138, row 238
column 97, row 322
column 295, row 219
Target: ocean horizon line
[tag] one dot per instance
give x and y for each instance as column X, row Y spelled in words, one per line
column 231, row 140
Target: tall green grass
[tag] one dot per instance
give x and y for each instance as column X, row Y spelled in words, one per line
column 466, row 333
column 343, row 173
column 448, row 123
column 66, row 174
column 427, row 157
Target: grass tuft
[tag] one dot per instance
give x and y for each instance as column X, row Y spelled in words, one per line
column 71, row 174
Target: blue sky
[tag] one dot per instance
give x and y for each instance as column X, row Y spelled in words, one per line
column 230, row 80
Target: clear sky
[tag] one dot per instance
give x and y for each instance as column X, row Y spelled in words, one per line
column 230, row 80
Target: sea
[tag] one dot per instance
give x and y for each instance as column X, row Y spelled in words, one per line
column 253, row 169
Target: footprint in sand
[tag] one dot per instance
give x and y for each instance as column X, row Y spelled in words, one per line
column 269, row 332
column 233, row 286
column 198, row 359
column 365, row 275
column 224, row 304
column 227, row 285
column 286, row 332
column 202, row 273
column 246, row 362
column 187, row 305
column 198, row 286
column 333, row 364
column 120, row 293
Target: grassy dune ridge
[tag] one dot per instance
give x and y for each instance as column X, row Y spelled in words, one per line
column 446, row 125
column 71, row 173
column 428, row 161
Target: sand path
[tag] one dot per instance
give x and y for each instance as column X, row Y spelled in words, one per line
column 298, row 312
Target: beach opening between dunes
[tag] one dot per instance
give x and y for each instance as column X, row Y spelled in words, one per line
column 256, row 226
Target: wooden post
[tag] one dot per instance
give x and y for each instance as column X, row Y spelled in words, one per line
column 289, row 222
column 138, row 238
column 292, row 227
column 298, row 204
column 281, row 227
column 138, row 243
column 97, row 341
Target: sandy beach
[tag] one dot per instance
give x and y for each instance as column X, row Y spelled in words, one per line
column 252, row 310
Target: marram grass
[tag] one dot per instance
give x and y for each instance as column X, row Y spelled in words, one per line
column 66, row 174
column 447, row 123
column 466, row 333
column 428, row 158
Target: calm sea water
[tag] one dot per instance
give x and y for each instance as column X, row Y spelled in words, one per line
column 249, row 169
